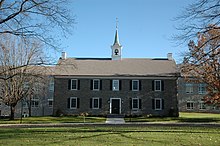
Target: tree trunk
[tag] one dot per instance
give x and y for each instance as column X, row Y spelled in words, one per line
column 12, row 116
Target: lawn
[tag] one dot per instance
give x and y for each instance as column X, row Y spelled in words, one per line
column 111, row 135
column 50, row 119
column 183, row 117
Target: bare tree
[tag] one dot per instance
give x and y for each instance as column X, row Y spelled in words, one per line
column 18, row 61
column 200, row 26
column 197, row 17
column 35, row 18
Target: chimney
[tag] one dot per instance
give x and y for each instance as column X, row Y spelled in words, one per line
column 169, row 56
column 63, row 55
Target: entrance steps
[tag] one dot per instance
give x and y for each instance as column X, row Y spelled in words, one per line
column 115, row 119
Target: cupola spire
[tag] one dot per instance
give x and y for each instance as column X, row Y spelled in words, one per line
column 116, row 47
column 116, row 41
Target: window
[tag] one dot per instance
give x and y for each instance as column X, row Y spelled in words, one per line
column 135, row 103
column 189, row 88
column 158, row 104
column 24, row 104
column 51, row 85
column 74, row 84
column 95, row 103
column 202, row 89
column 135, row 85
column 157, row 85
column 202, row 105
column 190, row 105
column 115, row 85
column 50, row 102
column 73, row 102
column 35, row 102
column 96, row 84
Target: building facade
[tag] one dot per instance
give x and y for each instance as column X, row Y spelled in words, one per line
column 116, row 85
column 190, row 97
column 39, row 103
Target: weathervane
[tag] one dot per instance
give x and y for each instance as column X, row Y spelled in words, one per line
column 116, row 23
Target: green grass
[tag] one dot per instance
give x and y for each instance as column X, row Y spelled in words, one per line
column 111, row 135
column 50, row 119
column 183, row 117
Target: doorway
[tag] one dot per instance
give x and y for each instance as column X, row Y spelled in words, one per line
column 115, row 106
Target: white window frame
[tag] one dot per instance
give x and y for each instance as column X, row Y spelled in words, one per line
column 93, row 102
column 72, row 83
column 73, row 98
column 190, row 107
column 202, row 105
column 155, row 103
column 155, row 85
column 200, row 89
column 98, row 84
column 190, row 87
column 133, row 85
column 117, row 83
column 49, row 102
column 51, row 85
column 33, row 101
column 133, row 103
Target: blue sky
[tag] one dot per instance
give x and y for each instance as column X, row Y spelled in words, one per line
column 145, row 28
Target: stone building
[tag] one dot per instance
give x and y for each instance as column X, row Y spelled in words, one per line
column 39, row 103
column 190, row 97
column 116, row 85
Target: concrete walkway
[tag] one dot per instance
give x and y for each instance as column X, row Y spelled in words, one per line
column 115, row 121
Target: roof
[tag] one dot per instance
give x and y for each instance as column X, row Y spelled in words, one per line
column 123, row 67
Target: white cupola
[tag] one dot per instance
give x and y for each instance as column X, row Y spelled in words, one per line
column 116, row 47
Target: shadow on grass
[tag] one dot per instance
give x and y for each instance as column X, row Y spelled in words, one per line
column 199, row 120
column 173, row 119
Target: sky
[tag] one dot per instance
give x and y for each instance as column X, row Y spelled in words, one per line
column 145, row 28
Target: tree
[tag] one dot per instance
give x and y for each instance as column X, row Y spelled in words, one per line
column 35, row 18
column 18, row 61
column 203, row 63
column 200, row 23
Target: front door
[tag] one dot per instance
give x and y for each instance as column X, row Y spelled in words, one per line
column 115, row 106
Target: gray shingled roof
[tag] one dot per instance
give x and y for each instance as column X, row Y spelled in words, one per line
column 108, row 67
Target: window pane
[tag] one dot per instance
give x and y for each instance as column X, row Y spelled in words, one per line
column 135, row 85
column 95, row 103
column 157, row 85
column 51, row 85
column 135, row 103
column 158, row 104
column 202, row 89
column 73, row 103
column 202, row 105
column 115, row 84
column 50, row 103
column 74, row 84
column 95, row 84
column 189, row 88
column 190, row 105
